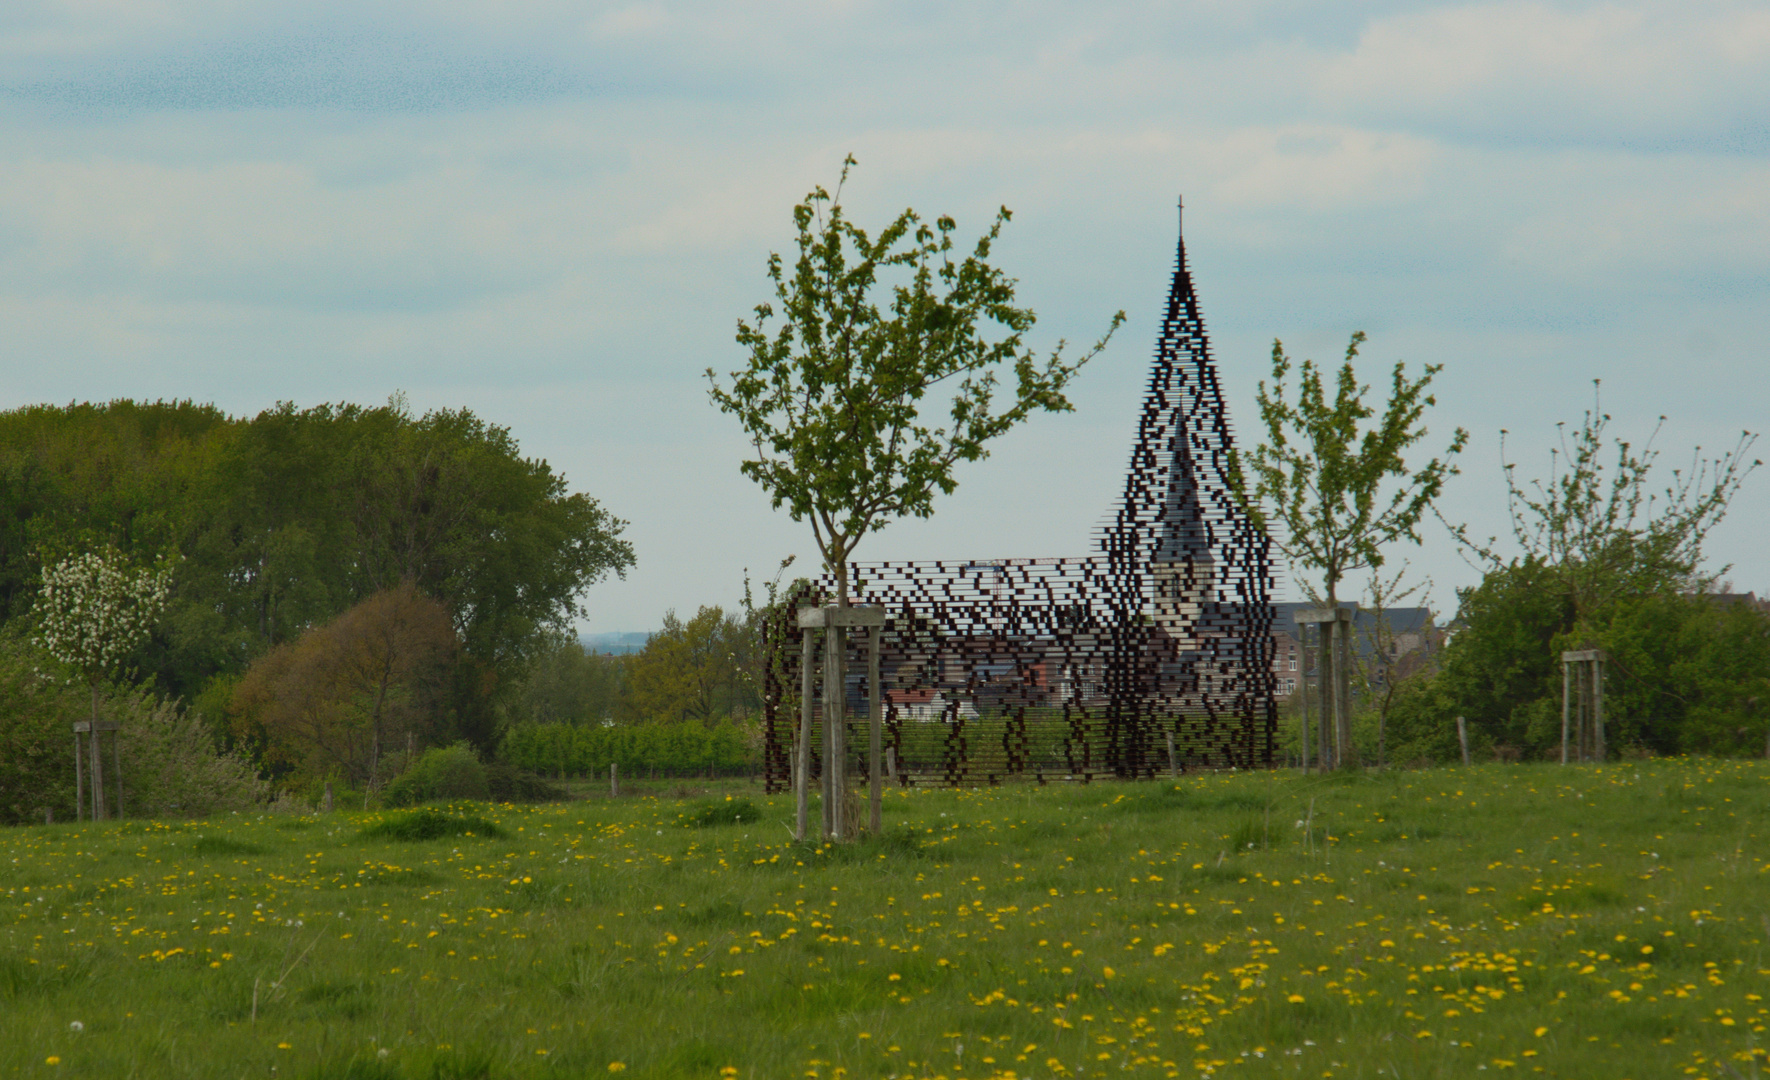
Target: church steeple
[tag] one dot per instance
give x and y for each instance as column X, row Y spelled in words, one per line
column 1182, row 544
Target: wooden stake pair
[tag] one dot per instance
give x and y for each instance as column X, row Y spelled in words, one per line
column 835, row 621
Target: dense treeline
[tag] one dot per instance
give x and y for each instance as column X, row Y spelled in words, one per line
column 282, row 522
column 701, row 670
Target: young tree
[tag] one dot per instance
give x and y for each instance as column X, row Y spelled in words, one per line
column 92, row 612
column 1382, row 665
column 1611, row 537
column 832, row 401
column 1340, row 494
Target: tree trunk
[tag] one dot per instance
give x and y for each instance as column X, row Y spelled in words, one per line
column 1342, row 695
column 98, row 813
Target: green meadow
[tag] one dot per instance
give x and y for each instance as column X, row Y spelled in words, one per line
column 1532, row 919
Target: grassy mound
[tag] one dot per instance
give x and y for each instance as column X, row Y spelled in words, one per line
column 430, row 825
column 728, row 811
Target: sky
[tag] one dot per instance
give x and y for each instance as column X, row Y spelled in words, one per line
column 554, row 213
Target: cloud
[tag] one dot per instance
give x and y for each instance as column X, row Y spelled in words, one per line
column 1668, row 74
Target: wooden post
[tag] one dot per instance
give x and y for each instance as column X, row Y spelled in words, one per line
column 833, row 620
column 1345, row 751
column 875, row 734
column 1303, row 696
column 1327, row 735
column 1566, row 706
column 802, row 752
column 326, row 799
column 835, row 701
column 1597, row 705
column 891, row 759
column 1588, row 686
column 79, row 777
column 1334, row 688
column 96, row 759
column 117, row 757
column 1463, row 739
column 614, row 780
column 1173, row 762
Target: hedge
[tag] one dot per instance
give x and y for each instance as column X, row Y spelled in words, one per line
column 562, row 750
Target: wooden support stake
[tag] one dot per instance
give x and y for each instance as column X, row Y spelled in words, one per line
column 875, row 734
column 1463, row 739
column 117, row 756
column 1597, row 706
column 1303, row 697
column 97, row 760
column 1566, row 706
column 614, row 780
column 1173, row 762
column 832, row 793
column 79, row 779
column 802, row 752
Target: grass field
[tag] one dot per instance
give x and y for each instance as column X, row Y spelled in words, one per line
column 1580, row 922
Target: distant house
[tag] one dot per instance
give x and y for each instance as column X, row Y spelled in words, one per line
column 926, row 703
column 1748, row 599
column 1395, row 645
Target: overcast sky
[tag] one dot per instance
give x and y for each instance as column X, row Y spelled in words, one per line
column 554, row 212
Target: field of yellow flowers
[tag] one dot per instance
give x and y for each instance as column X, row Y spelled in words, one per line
column 1527, row 919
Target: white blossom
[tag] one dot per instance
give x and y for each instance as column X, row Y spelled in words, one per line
column 94, row 609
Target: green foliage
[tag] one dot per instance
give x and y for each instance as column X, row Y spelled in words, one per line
column 1340, row 495
column 728, row 811
column 672, row 749
column 1602, row 533
column 692, row 670
column 284, row 520
column 567, row 684
column 338, row 698
column 170, row 765
column 224, row 845
column 455, row 772
column 507, row 783
column 1606, row 563
column 832, row 401
column 443, row 772
column 428, row 824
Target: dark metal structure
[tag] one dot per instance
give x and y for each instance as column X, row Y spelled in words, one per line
column 1149, row 656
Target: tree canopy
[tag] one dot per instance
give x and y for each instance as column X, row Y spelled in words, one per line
column 862, row 328
column 1341, row 491
column 283, row 521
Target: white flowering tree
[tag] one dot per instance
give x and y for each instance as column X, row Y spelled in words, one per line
column 92, row 613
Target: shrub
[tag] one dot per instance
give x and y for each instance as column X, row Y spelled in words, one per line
column 510, row 784
column 170, row 765
column 729, row 812
column 672, row 749
column 430, row 825
column 444, row 772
